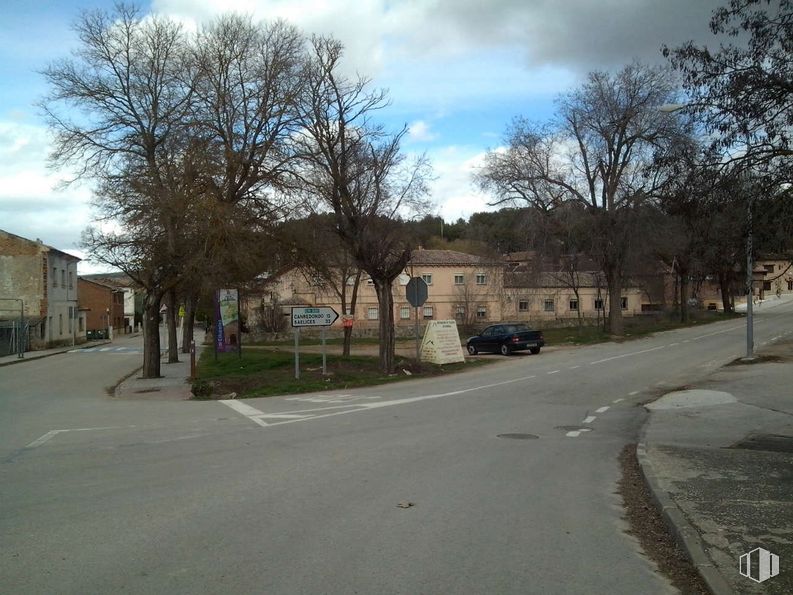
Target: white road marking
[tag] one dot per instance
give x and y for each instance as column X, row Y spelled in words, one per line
column 617, row 400
column 686, row 341
column 258, row 416
column 589, row 419
column 608, row 359
column 106, row 349
column 554, row 372
column 44, row 438
column 574, row 367
column 732, row 328
column 636, row 392
column 52, row 433
column 673, row 344
column 577, row 433
column 602, row 409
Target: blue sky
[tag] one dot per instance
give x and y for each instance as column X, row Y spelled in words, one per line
column 457, row 71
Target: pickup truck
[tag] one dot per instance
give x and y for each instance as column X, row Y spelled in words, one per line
column 506, row 338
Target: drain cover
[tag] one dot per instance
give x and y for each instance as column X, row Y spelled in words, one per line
column 519, row 436
column 769, row 442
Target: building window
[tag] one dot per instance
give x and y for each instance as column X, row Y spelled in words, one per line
column 427, row 311
column 54, row 277
column 769, row 268
column 790, row 285
column 371, row 313
column 481, row 279
column 549, row 304
column 71, row 318
column 459, row 279
column 404, row 313
column 60, row 324
column 574, row 304
column 624, row 303
column 43, row 329
column 523, row 306
column 481, row 312
column 459, row 312
column 71, row 280
column 766, row 285
column 63, row 278
column 80, row 324
column 598, row 303
column 427, row 279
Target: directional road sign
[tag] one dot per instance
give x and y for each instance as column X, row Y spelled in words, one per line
column 324, row 316
column 416, row 291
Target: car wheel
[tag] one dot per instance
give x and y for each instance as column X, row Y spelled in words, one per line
column 534, row 350
column 505, row 350
column 472, row 350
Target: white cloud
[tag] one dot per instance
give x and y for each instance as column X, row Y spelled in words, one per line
column 419, row 131
column 453, row 190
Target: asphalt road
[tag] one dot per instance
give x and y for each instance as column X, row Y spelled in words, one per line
column 302, row 494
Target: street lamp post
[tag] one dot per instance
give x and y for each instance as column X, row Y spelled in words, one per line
column 749, row 283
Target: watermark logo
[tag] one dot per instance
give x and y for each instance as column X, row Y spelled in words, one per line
column 759, row 565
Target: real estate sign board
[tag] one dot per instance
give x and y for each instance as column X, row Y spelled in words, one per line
column 441, row 344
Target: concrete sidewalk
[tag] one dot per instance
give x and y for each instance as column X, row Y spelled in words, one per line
column 172, row 385
column 718, row 461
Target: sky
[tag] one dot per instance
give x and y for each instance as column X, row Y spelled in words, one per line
column 457, row 72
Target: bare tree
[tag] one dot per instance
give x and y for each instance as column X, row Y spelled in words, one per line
column 113, row 108
column 317, row 250
column 743, row 90
column 596, row 153
column 356, row 169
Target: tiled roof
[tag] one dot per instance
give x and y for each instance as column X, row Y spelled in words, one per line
column 446, row 257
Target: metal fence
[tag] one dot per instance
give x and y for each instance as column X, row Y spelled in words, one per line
column 9, row 337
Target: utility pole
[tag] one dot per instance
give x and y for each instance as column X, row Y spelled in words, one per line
column 749, row 283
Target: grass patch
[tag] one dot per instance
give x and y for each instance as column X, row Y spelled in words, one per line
column 636, row 327
column 263, row 373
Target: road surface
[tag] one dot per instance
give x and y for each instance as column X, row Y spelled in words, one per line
column 414, row 487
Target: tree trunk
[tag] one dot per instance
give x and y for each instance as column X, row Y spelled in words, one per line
column 614, row 283
column 151, row 334
column 188, row 326
column 353, row 303
column 726, row 294
column 385, row 301
column 173, row 343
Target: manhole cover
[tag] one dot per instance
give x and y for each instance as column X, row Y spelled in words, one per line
column 769, row 442
column 519, row 436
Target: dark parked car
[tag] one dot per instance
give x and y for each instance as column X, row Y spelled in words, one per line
column 506, row 338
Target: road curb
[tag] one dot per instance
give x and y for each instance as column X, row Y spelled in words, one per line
column 31, row 356
column 685, row 534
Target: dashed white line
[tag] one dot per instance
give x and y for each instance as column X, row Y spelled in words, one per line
column 589, row 419
column 602, row 409
column 608, row 359
column 574, row 367
column 636, row 392
column 617, row 400
column 573, row 434
column 554, row 372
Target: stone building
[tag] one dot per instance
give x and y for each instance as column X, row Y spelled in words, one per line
column 43, row 281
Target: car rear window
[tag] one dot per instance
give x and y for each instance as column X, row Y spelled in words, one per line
column 515, row 328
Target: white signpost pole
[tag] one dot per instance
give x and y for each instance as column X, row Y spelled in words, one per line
column 297, row 353
column 324, row 358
